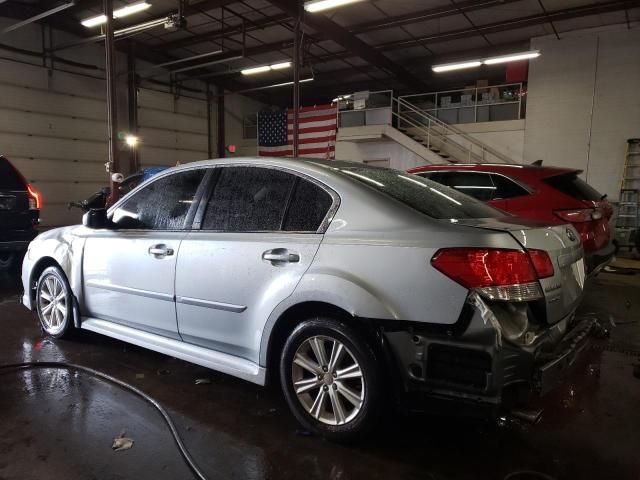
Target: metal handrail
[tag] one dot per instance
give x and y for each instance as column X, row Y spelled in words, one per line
column 432, row 121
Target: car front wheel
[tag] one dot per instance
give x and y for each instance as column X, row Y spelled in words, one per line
column 54, row 302
column 331, row 379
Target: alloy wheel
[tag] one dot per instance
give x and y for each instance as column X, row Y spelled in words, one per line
column 52, row 304
column 328, row 380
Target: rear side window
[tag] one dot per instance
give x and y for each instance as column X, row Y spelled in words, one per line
column 162, row 204
column 506, row 188
column 478, row 185
column 9, row 177
column 575, row 187
column 421, row 194
column 309, row 205
column 248, row 199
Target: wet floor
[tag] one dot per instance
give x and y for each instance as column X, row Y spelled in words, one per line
column 60, row 424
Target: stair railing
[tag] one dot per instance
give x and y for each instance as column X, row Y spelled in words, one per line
column 434, row 128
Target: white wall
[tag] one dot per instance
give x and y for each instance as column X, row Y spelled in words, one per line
column 399, row 157
column 584, row 102
column 53, row 120
column 507, row 137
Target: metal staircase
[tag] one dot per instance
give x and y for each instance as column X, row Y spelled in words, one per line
column 448, row 142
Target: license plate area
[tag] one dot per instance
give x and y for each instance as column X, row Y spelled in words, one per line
column 7, row 202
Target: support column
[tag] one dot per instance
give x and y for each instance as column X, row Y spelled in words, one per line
column 112, row 110
column 296, row 85
column 220, row 119
column 132, row 102
column 209, row 139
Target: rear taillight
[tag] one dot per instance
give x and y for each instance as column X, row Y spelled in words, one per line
column 35, row 198
column 579, row 215
column 497, row 274
column 541, row 262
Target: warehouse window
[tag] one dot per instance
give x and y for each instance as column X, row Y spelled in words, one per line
column 161, row 205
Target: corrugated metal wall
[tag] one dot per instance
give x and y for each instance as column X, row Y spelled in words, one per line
column 171, row 129
column 53, row 129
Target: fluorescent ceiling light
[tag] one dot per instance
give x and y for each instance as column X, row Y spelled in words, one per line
column 253, row 71
column 456, row 66
column 280, row 66
column 94, row 21
column 121, row 12
column 514, row 57
column 265, row 68
column 319, row 5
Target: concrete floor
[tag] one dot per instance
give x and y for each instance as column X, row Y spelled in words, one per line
column 60, row 424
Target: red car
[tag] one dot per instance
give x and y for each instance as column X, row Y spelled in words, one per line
column 548, row 194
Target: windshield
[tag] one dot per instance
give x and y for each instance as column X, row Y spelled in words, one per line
column 421, row 194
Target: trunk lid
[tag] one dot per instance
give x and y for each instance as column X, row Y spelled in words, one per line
column 562, row 291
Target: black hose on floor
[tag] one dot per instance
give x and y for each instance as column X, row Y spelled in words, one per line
column 165, row 415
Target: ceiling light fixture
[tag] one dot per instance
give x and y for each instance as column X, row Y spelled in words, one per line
column 513, row 57
column 265, row 68
column 320, row 5
column 456, row 66
column 121, row 12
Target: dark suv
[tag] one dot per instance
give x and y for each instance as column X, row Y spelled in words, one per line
column 19, row 214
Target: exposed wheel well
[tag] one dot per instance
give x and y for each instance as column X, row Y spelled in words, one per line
column 299, row 313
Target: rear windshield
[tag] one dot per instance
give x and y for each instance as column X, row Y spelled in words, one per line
column 421, row 194
column 575, row 187
column 9, row 177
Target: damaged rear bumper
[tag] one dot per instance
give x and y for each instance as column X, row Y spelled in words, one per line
column 472, row 362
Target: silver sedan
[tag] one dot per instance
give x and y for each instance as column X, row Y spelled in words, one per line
column 347, row 284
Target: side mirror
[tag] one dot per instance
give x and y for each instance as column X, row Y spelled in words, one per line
column 96, row 218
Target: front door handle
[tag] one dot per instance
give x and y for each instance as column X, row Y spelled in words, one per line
column 160, row 251
column 280, row 255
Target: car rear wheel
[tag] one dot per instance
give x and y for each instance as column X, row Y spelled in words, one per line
column 54, row 303
column 331, row 379
column 7, row 260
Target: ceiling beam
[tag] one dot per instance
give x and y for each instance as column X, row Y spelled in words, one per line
column 513, row 24
column 428, row 14
column 347, row 40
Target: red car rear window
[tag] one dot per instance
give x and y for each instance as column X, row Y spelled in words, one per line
column 575, row 187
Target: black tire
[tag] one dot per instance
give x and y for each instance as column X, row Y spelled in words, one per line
column 369, row 387
column 55, row 276
column 7, row 261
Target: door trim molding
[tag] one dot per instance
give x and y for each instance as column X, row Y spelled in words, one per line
column 131, row 291
column 229, row 307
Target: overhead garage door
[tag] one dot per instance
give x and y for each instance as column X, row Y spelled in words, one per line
column 53, row 130
column 171, row 129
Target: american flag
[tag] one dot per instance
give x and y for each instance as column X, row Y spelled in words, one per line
column 316, row 134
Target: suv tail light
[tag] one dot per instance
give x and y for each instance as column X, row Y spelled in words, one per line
column 35, row 198
column 579, row 215
column 498, row 274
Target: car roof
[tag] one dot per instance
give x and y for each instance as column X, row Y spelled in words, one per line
column 510, row 170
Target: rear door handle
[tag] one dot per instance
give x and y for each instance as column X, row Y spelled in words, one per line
column 160, row 251
column 280, row 255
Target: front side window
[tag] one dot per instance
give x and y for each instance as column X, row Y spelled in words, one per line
column 248, row 199
column 161, row 205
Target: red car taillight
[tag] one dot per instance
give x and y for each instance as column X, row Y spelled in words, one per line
column 579, row 215
column 35, row 198
column 498, row 274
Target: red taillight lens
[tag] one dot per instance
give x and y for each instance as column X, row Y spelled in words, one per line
column 35, row 198
column 542, row 263
column 579, row 215
column 478, row 267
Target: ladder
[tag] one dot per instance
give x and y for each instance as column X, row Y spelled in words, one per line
column 627, row 220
